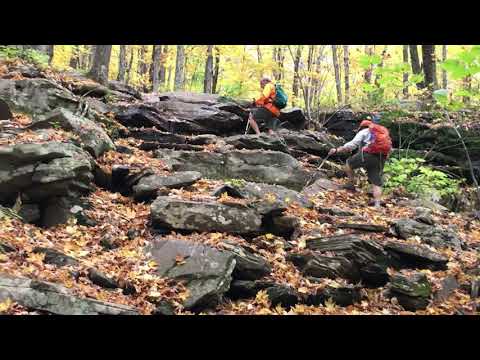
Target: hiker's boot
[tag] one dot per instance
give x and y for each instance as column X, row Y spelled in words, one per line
column 376, row 203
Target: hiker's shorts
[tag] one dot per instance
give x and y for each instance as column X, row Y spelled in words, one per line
column 265, row 117
column 373, row 163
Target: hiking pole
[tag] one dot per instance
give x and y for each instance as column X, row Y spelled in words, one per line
column 248, row 127
column 323, row 161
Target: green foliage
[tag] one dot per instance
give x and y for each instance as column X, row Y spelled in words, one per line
column 240, row 183
column 410, row 175
column 29, row 55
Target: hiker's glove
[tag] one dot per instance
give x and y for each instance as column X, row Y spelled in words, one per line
column 332, row 151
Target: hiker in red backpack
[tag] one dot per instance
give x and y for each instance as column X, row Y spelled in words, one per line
column 374, row 145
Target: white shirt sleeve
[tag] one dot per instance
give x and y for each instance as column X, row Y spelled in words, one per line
column 363, row 136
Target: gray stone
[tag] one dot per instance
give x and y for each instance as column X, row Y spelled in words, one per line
column 54, row 299
column 30, row 213
column 244, row 289
column 168, row 212
column 249, row 266
column 251, row 165
column 147, row 187
column 42, row 171
column 415, row 256
column 412, row 292
column 431, row 235
column 36, row 96
column 319, row 185
column 92, row 136
column 256, row 142
column 55, row 257
column 206, row 271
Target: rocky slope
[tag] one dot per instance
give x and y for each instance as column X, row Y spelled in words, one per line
column 116, row 202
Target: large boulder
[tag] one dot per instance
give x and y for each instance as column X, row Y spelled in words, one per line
column 148, row 186
column 269, row 167
column 42, row 171
column 429, row 234
column 54, row 299
column 310, row 142
column 172, row 213
column 367, row 256
column 255, row 142
column 266, row 198
column 412, row 292
column 124, row 88
column 249, row 266
column 92, row 136
column 415, row 256
column 180, row 117
column 293, row 118
column 36, row 96
column 206, row 271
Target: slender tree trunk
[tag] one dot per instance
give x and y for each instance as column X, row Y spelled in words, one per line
column 405, row 75
column 216, row 70
column 444, row 72
column 259, row 54
column 281, row 59
column 296, row 75
column 337, row 73
column 368, row 72
column 75, row 58
column 101, row 63
column 346, row 62
column 384, row 54
column 467, row 85
column 275, row 63
column 122, row 63
column 130, row 65
column 84, row 57
column 179, row 68
column 429, row 66
column 91, row 56
column 208, row 79
column 169, row 78
column 163, row 68
column 143, row 68
column 415, row 61
column 155, row 67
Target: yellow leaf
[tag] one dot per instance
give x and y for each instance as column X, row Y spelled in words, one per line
column 36, row 258
column 5, row 306
column 3, row 258
column 269, row 236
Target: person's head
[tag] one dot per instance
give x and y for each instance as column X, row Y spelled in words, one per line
column 264, row 81
column 365, row 124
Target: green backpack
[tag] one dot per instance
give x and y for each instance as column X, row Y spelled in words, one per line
column 281, row 98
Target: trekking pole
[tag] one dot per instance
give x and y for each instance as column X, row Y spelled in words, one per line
column 323, row 161
column 248, row 127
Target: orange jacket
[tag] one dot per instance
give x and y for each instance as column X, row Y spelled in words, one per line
column 266, row 99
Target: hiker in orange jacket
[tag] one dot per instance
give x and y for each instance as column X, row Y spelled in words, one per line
column 265, row 111
column 374, row 144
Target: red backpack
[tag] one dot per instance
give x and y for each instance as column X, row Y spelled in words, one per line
column 381, row 141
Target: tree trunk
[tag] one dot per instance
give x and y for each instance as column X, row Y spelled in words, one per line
column 91, row 56
column 169, row 79
column 143, row 67
column 337, row 74
column 84, row 57
column 155, row 68
column 467, row 85
column 163, row 68
column 280, row 60
column 444, row 72
column 429, row 66
column 180, row 68
column 75, row 58
column 208, row 79
column 259, row 54
column 101, row 63
column 405, row 75
column 415, row 61
column 384, row 54
column 130, row 65
column 216, row 70
column 122, row 63
column 368, row 72
column 346, row 62
column 296, row 66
